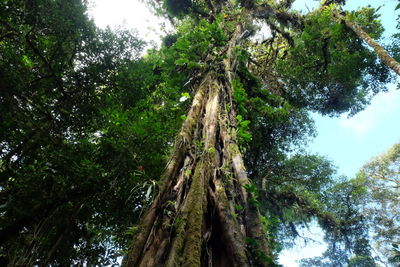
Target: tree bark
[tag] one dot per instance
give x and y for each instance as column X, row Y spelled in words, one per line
column 203, row 216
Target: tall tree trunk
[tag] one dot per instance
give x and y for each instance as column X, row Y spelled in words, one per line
column 203, row 215
column 380, row 51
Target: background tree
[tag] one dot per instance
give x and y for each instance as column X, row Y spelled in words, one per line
column 370, row 203
column 382, row 177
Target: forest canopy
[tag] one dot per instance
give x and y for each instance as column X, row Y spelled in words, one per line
column 191, row 153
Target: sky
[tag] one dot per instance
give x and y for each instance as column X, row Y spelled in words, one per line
column 129, row 14
column 348, row 142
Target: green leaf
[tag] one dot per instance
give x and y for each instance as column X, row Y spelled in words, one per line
column 181, row 61
column 27, row 62
column 186, row 94
column 238, row 207
column 245, row 124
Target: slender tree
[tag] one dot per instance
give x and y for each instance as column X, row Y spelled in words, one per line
column 380, row 51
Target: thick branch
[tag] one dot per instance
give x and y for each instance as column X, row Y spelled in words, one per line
column 265, row 11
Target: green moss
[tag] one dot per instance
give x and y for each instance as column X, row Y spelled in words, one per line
column 192, row 248
column 187, row 129
column 175, row 258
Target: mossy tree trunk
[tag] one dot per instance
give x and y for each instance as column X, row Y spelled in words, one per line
column 203, row 215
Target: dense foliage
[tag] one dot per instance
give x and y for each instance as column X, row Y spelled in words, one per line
column 87, row 125
column 77, row 113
